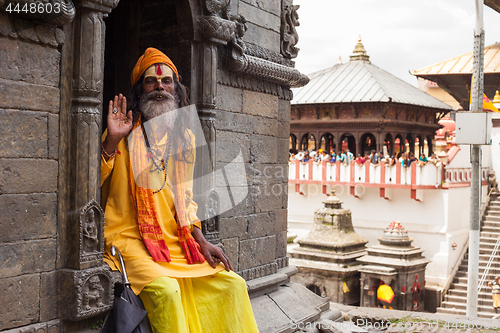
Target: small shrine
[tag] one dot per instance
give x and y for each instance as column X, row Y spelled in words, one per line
column 326, row 257
column 398, row 264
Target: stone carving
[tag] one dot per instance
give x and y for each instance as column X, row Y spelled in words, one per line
column 88, row 247
column 222, row 28
column 93, row 293
column 53, row 326
column 91, row 220
column 29, row 31
column 48, row 12
column 260, row 271
column 216, row 29
column 282, row 262
column 211, row 219
column 289, row 35
column 254, row 84
column 90, row 239
column 263, row 53
column 214, row 6
column 86, row 293
column 239, row 62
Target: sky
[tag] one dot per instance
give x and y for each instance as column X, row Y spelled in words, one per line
column 398, row 35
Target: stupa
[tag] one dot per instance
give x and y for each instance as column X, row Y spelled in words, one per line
column 397, row 263
column 326, row 257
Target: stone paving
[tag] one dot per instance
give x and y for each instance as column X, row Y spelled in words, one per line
column 383, row 320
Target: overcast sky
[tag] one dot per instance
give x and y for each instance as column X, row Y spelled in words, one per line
column 398, row 35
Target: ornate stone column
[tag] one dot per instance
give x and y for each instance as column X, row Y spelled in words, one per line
column 214, row 28
column 86, row 284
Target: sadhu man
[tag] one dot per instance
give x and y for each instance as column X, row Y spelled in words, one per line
column 178, row 274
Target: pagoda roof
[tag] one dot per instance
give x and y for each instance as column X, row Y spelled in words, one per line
column 454, row 75
column 360, row 81
column 463, row 64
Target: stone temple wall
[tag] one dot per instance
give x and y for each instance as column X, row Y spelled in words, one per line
column 255, row 120
column 53, row 75
column 29, row 127
column 254, row 234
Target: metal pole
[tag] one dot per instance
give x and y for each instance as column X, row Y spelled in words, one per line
column 476, row 106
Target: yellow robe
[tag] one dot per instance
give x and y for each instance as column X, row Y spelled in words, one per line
column 121, row 228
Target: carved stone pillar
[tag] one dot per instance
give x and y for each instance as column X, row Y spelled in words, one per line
column 216, row 31
column 209, row 201
column 86, row 284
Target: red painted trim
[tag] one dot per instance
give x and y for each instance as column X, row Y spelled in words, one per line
column 310, row 169
column 413, row 195
column 323, row 175
column 353, row 191
column 413, row 170
column 367, row 171
column 398, row 173
column 382, row 172
column 337, row 170
column 297, row 169
column 351, row 167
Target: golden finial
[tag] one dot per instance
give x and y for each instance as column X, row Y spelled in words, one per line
column 496, row 99
column 359, row 52
column 340, row 60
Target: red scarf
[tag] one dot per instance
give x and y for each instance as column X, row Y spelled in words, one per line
column 145, row 208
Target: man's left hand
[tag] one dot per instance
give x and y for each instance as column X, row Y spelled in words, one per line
column 213, row 254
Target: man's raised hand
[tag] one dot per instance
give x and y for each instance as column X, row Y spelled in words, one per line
column 119, row 123
column 119, row 120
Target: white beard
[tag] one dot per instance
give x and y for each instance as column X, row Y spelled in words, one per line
column 152, row 108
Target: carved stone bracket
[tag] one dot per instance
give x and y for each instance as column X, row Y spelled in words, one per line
column 85, row 293
column 240, row 62
column 216, row 29
column 250, row 83
column 30, row 31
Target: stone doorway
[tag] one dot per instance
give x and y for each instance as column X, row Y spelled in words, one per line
column 131, row 28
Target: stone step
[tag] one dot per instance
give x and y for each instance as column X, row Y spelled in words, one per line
column 490, row 232
column 483, row 294
column 491, row 229
column 486, row 301
column 463, row 312
column 491, row 218
column 463, row 280
column 463, row 306
column 494, row 268
column 488, row 240
column 490, row 226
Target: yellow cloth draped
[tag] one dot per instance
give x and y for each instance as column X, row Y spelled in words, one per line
column 212, row 304
column 122, row 231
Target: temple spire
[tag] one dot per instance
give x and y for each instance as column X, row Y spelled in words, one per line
column 359, row 53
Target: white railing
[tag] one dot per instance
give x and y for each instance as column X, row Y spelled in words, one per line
column 428, row 175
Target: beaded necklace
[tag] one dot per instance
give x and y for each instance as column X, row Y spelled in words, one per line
column 160, row 164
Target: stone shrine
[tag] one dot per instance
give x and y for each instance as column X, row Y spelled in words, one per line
column 397, row 263
column 326, row 257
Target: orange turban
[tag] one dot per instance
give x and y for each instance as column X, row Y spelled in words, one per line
column 150, row 57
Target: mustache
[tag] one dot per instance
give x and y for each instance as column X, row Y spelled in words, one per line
column 157, row 93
